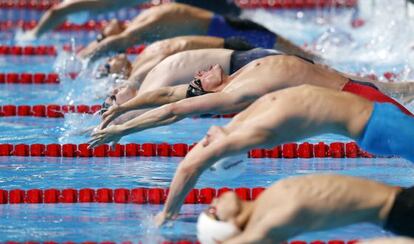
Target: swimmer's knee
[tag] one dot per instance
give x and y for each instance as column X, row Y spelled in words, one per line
column 163, row 48
column 165, row 9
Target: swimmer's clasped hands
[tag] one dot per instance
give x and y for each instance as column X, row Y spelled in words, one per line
column 112, row 135
column 113, row 112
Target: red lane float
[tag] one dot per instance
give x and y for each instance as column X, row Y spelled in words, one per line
column 48, row 111
column 278, row 4
column 29, row 78
column 42, row 5
column 50, row 50
column 58, row 111
column 119, row 195
column 287, row 151
column 28, row 50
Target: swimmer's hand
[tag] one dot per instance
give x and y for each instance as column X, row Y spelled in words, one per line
column 161, row 218
column 109, row 116
column 88, row 52
column 110, row 135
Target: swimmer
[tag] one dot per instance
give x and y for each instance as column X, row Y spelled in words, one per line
column 174, row 19
column 154, row 54
column 179, row 68
column 77, row 9
column 214, row 92
column 290, row 115
column 302, row 204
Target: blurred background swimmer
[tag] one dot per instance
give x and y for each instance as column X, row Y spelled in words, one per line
column 80, row 11
column 171, row 20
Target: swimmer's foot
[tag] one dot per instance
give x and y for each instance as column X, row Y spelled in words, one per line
column 408, row 99
column 407, row 94
column 402, row 90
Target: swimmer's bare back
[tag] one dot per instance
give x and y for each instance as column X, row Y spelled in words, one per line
column 307, row 110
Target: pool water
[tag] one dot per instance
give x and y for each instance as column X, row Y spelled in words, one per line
column 327, row 31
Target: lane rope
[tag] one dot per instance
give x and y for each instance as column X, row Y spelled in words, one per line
column 177, row 242
column 119, row 195
column 287, row 151
column 55, row 110
column 43, row 50
column 42, row 5
column 275, row 4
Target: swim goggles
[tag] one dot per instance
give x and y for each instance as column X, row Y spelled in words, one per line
column 195, row 88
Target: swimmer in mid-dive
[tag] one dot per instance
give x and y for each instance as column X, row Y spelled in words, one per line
column 154, row 54
column 80, row 11
column 213, row 92
column 174, row 19
column 179, row 68
column 302, row 204
column 290, row 115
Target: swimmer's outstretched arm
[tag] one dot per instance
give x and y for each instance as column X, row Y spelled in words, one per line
column 219, row 102
column 159, row 97
column 201, row 157
column 58, row 14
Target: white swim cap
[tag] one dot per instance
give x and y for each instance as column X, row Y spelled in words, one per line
column 229, row 167
column 211, row 231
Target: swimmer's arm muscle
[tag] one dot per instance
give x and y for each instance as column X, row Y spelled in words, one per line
column 201, row 157
column 161, row 96
column 146, row 100
column 173, row 112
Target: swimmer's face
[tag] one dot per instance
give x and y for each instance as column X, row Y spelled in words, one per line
column 227, row 206
column 120, row 65
column 211, row 78
column 116, row 65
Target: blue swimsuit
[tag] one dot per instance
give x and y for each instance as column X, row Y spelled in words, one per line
column 389, row 132
column 251, row 32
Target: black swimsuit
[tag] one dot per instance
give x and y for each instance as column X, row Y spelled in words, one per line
column 401, row 218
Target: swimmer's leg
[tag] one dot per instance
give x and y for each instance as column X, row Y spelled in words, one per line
column 286, row 46
column 160, row 50
column 161, row 22
column 400, row 90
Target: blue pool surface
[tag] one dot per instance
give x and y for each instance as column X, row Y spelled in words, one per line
column 366, row 50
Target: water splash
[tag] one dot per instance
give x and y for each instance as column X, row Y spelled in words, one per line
column 77, row 127
column 22, row 37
